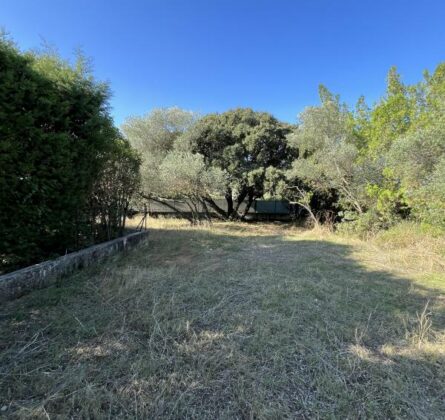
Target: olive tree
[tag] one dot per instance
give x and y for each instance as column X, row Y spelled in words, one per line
column 328, row 158
column 184, row 175
column 153, row 135
column 169, row 169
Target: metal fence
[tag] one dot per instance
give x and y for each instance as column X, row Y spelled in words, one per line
column 272, row 207
column 260, row 207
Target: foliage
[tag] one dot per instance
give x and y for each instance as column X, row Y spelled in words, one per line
column 115, row 186
column 367, row 224
column 384, row 163
column 428, row 202
column 55, row 134
column 168, row 170
column 245, row 145
column 153, row 136
column 369, row 168
column 185, row 175
column 415, row 159
column 391, row 117
column 418, row 160
column 328, row 157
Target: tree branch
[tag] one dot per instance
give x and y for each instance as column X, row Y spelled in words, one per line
column 220, row 212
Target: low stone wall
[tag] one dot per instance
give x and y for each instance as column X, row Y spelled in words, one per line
column 36, row 276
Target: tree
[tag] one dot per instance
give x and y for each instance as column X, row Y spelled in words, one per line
column 153, row 136
column 402, row 135
column 55, row 130
column 328, row 158
column 392, row 116
column 184, row 175
column 242, row 144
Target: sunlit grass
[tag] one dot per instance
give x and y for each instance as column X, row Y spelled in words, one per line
column 235, row 320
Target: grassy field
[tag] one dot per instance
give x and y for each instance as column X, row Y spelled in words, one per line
column 235, row 321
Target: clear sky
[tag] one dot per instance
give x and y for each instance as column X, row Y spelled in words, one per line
column 213, row 55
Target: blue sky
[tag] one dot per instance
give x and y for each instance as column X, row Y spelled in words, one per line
column 213, row 55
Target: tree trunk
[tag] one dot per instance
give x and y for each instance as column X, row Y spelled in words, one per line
column 241, row 198
column 310, row 212
column 229, row 199
column 206, row 211
column 249, row 204
column 219, row 211
column 193, row 212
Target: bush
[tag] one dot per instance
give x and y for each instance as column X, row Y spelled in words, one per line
column 429, row 201
column 113, row 190
column 55, row 137
column 366, row 225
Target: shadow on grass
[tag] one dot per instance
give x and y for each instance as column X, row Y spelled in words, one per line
column 201, row 324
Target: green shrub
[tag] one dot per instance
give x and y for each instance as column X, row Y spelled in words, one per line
column 367, row 224
column 55, row 138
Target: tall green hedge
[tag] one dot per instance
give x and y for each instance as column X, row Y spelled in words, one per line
column 55, row 136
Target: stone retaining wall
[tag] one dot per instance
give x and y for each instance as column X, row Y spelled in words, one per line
column 40, row 275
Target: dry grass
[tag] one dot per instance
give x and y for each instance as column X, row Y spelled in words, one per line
column 234, row 321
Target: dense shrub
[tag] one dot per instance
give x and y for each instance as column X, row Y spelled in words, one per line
column 56, row 135
column 116, row 184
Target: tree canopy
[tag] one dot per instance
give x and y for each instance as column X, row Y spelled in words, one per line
column 368, row 167
column 244, row 145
